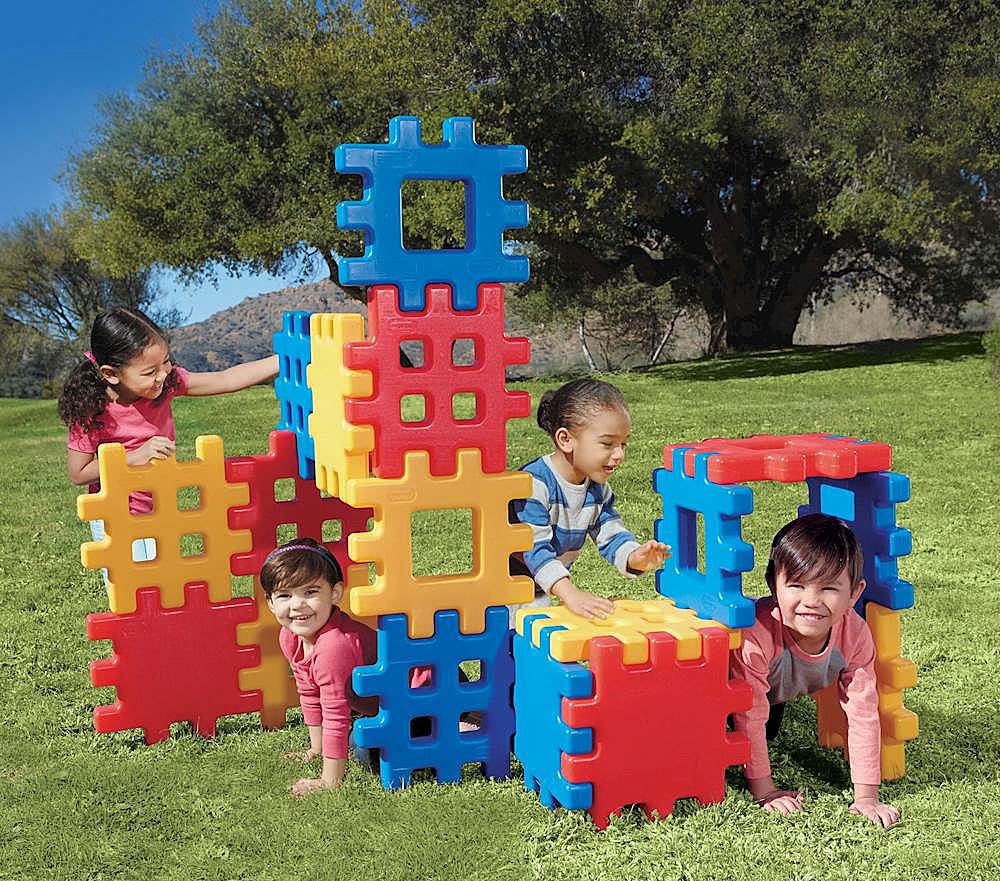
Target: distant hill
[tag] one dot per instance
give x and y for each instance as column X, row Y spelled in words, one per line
column 244, row 331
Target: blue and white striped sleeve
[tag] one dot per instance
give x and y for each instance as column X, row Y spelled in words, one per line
column 541, row 560
column 613, row 540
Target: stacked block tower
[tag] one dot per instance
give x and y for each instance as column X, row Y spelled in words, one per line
column 186, row 649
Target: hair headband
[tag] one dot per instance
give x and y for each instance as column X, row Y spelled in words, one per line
column 322, row 551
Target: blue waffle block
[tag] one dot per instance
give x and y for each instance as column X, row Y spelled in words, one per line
column 444, row 749
column 294, row 351
column 542, row 736
column 718, row 592
column 867, row 503
column 384, row 168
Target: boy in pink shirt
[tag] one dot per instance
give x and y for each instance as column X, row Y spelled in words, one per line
column 806, row 636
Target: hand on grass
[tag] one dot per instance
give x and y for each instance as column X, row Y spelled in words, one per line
column 580, row 602
column 880, row 814
column 783, row 801
column 308, row 785
column 648, row 556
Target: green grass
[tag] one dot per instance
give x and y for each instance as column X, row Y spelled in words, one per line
column 76, row 805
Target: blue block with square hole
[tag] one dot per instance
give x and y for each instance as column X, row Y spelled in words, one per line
column 867, row 503
column 716, row 593
column 404, row 746
column 542, row 736
column 379, row 213
column 293, row 348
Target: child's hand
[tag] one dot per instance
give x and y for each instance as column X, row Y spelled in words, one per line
column 782, row 801
column 881, row 814
column 157, row 447
column 580, row 602
column 307, row 785
column 648, row 556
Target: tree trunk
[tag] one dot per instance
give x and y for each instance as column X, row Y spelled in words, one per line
column 582, row 333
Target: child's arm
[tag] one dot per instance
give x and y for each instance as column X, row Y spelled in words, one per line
column 83, row 467
column 859, row 699
column 750, row 663
column 220, row 382
column 544, row 565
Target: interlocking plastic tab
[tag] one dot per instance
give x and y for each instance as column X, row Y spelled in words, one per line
column 390, row 544
column 438, row 380
column 787, row 458
column 342, row 450
column 440, row 703
column 167, row 523
column 629, row 624
column 174, row 665
column 384, row 168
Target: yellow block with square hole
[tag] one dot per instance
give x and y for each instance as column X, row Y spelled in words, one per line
column 629, row 623
column 166, row 523
column 390, row 544
column 893, row 673
column 341, row 449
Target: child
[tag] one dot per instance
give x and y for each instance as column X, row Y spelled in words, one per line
column 806, row 636
column 121, row 393
column 570, row 498
column 303, row 584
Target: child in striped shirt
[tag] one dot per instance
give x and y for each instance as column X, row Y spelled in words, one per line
column 589, row 424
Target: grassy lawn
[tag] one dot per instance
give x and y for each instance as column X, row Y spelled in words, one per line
column 77, row 805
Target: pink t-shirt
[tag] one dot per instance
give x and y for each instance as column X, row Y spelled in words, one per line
column 778, row 670
column 131, row 425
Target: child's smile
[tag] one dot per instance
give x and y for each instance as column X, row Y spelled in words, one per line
column 810, row 606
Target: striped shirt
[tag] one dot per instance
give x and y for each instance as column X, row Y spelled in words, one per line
column 562, row 515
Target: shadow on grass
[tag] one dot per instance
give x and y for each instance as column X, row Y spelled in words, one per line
column 806, row 359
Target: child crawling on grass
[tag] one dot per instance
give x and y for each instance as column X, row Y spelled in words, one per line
column 303, row 583
column 806, row 636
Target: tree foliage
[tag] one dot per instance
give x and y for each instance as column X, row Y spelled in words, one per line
column 750, row 154
column 47, row 286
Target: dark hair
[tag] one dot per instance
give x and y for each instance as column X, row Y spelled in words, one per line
column 816, row 546
column 294, row 567
column 569, row 405
column 117, row 337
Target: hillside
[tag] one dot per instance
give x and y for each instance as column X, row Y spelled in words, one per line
column 244, row 331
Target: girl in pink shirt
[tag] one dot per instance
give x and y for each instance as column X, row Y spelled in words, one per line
column 121, row 393
column 806, row 636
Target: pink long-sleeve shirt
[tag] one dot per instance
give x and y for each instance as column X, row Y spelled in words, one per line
column 323, row 679
column 778, row 670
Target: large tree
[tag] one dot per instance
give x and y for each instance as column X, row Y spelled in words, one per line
column 751, row 154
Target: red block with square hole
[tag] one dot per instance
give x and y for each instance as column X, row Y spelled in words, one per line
column 437, row 379
column 307, row 509
column 788, row 458
column 174, row 665
column 659, row 727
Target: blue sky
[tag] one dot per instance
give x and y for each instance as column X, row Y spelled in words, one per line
column 56, row 60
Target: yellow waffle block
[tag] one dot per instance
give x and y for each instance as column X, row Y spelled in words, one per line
column 341, row 449
column 629, row 623
column 390, row 546
column 893, row 674
column 166, row 523
column 272, row 676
